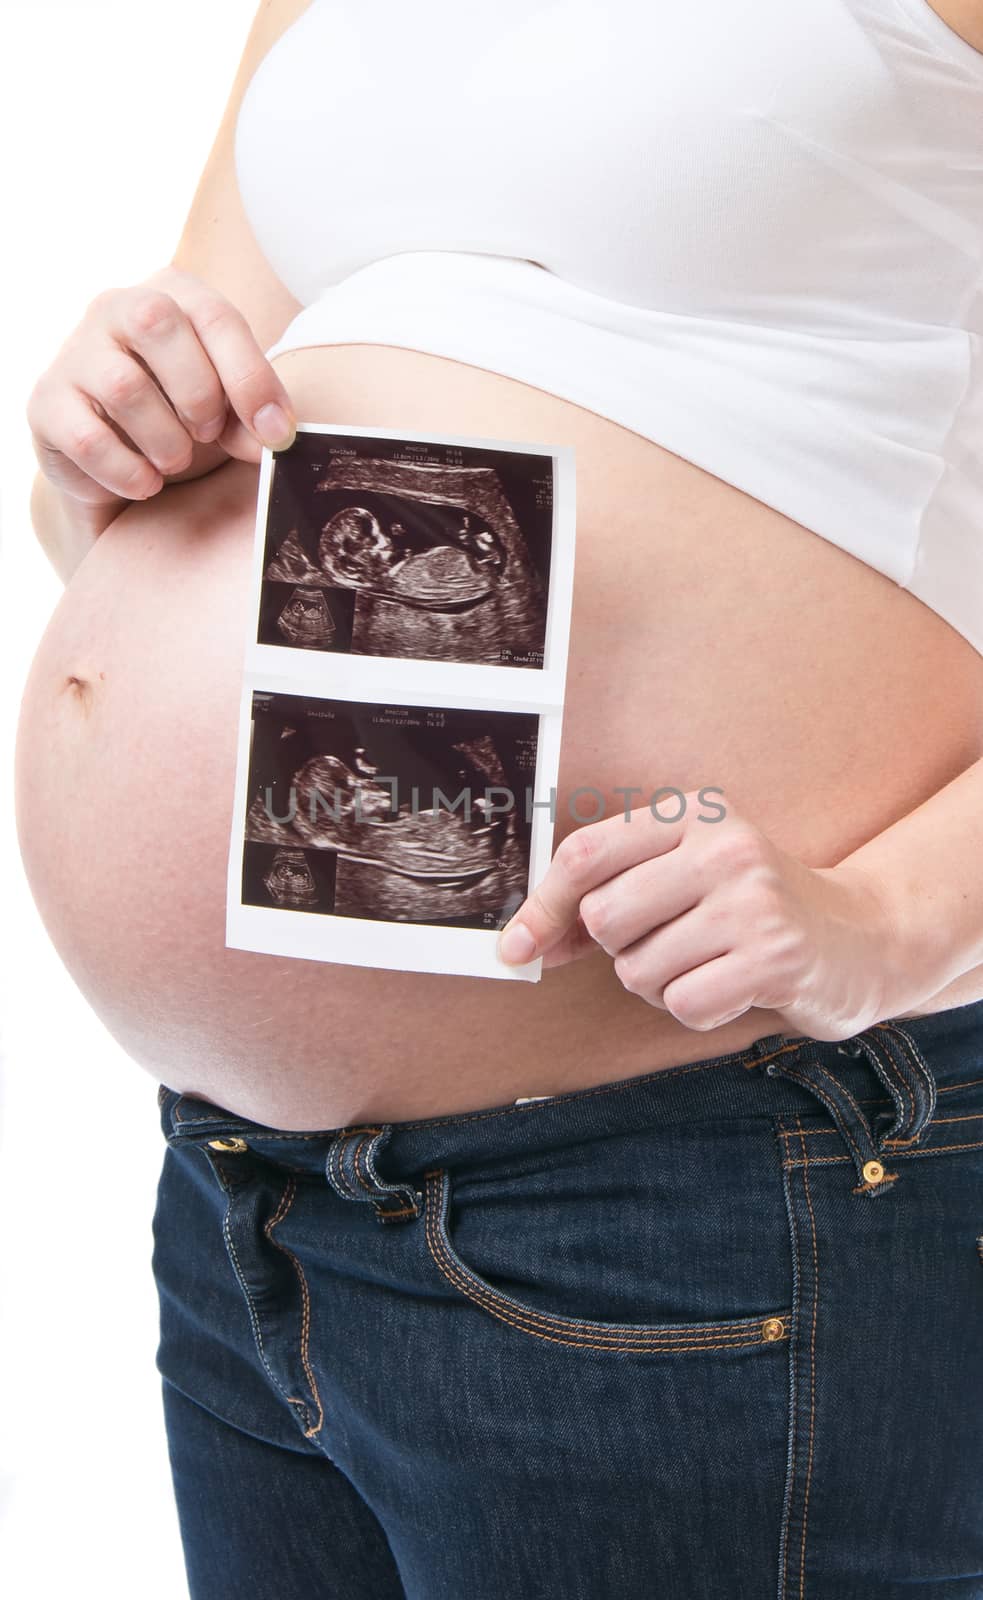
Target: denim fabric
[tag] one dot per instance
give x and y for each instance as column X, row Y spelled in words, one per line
column 714, row 1332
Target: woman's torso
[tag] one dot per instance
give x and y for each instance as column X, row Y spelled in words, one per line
column 715, row 641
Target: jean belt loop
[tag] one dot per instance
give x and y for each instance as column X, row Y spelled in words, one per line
column 350, row 1168
column 906, row 1076
column 854, row 1129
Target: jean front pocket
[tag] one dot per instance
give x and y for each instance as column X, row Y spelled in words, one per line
column 621, row 1245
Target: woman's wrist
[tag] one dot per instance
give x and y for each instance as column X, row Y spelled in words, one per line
column 905, row 976
column 66, row 527
column 922, row 891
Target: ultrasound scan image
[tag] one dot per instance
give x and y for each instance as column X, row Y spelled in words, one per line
column 305, row 620
column 391, row 813
column 384, row 547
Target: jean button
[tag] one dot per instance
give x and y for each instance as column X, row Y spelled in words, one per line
column 851, row 1047
column 230, row 1146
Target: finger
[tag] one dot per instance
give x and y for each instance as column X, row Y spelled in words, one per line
column 712, row 994
column 255, row 393
column 574, row 945
column 82, row 455
column 150, row 326
column 648, row 966
column 643, row 898
column 123, row 392
column 238, row 442
column 585, row 858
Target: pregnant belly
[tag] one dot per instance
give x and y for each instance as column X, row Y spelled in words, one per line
column 714, row 642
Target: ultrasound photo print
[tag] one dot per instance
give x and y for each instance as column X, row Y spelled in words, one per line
column 390, row 813
column 407, row 549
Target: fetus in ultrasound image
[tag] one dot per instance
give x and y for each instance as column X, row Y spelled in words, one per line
column 384, row 547
column 305, row 620
column 391, row 813
column 290, row 881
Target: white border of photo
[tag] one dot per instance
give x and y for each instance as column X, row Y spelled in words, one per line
column 457, row 682
column 407, row 681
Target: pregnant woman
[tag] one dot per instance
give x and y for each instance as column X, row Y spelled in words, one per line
column 662, row 1276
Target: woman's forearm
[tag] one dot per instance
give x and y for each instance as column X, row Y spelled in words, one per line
column 66, row 528
column 927, row 870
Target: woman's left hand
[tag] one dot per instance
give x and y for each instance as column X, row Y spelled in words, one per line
column 706, row 919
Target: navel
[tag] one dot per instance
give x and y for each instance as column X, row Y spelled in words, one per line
column 80, row 689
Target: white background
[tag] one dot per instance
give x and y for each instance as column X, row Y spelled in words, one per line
column 108, row 109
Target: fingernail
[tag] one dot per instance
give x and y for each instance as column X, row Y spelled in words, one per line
column 274, row 427
column 516, row 944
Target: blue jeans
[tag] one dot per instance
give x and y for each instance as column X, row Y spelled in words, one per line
column 710, row 1333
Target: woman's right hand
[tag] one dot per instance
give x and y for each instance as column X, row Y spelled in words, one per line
column 160, row 381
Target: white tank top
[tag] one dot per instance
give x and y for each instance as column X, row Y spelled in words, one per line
column 750, row 230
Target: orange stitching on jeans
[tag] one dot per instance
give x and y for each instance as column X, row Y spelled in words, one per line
column 937, row 1122
column 361, row 1146
column 933, row 1149
column 882, row 1099
column 737, row 1334
column 906, row 1155
column 282, row 1208
column 793, row 1420
column 475, row 1289
column 799, row 1077
column 305, row 1327
column 250, row 1308
column 812, row 1364
column 811, row 1133
column 340, row 1153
